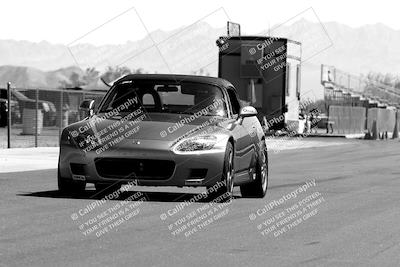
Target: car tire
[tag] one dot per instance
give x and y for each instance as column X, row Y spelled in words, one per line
column 69, row 186
column 258, row 187
column 224, row 192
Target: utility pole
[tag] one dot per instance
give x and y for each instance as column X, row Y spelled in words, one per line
column 8, row 115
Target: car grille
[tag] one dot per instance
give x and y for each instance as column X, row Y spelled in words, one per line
column 134, row 168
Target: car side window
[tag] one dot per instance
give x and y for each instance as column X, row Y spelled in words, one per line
column 148, row 100
column 234, row 102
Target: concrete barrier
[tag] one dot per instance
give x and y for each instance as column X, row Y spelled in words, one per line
column 396, row 126
column 29, row 121
column 347, row 119
column 385, row 119
column 398, row 117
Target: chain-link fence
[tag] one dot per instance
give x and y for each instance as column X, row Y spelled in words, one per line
column 39, row 115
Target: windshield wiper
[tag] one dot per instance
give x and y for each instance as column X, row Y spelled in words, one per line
column 186, row 112
column 118, row 117
column 192, row 113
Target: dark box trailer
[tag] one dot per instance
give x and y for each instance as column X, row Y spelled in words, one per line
column 266, row 72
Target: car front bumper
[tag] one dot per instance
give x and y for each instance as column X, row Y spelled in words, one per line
column 132, row 163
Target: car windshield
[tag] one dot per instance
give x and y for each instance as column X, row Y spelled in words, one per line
column 164, row 97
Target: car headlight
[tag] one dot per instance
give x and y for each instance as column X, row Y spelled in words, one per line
column 86, row 140
column 66, row 139
column 78, row 140
column 198, row 144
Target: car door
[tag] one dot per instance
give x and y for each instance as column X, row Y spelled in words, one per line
column 244, row 147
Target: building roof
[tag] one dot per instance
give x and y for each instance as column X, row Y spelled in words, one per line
column 259, row 37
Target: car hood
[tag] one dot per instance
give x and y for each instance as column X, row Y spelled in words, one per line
column 167, row 127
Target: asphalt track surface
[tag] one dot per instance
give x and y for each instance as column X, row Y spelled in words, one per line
column 357, row 223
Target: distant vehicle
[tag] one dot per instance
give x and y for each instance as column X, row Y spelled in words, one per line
column 15, row 114
column 48, row 108
column 190, row 131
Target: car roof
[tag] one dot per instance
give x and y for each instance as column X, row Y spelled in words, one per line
column 177, row 78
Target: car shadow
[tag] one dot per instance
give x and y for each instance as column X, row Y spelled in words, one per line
column 126, row 195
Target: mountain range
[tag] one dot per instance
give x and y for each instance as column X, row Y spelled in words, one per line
column 192, row 49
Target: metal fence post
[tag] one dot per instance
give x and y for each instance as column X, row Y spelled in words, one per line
column 61, row 113
column 81, row 100
column 8, row 115
column 36, row 116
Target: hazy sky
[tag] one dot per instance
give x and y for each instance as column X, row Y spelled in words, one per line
column 67, row 21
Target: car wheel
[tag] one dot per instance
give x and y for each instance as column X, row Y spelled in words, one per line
column 69, row 186
column 224, row 192
column 258, row 187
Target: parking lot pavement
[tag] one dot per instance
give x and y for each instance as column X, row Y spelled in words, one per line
column 28, row 159
column 356, row 224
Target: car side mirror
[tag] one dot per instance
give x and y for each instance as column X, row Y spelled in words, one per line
column 88, row 106
column 285, row 109
column 248, row 111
